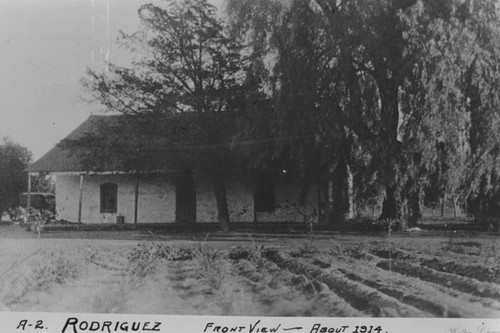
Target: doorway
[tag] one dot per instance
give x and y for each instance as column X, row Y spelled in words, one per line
column 185, row 198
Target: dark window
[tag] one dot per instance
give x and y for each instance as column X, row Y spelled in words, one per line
column 264, row 199
column 109, row 193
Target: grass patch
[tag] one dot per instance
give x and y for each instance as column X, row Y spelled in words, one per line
column 39, row 273
column 144, row 256
column 211, row 266
column 306, row 250
column 58, row 270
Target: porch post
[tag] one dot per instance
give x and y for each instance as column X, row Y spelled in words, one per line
column 28, row 198
column 318, row 201
column 136, row 199
column 80, row 200
column 254, row 211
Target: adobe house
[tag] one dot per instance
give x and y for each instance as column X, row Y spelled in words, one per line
column 112, row 193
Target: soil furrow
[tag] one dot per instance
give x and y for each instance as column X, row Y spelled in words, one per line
column 449, row 280
column 422, row 304
column 361, row 297
column 433, row 298
column 481, row 273
column 271, row 278
column 475, row 272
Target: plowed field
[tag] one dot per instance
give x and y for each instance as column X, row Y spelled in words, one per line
column 338, row 275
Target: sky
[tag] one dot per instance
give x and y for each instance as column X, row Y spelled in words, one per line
column 45, row 48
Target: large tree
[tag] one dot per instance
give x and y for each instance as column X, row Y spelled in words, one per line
column 480, row 79
column 14, row 160
column 453, row 124
column 397, row 91
column 433, row 64
column 336, row 79
column 188, row 71
column 293, row 68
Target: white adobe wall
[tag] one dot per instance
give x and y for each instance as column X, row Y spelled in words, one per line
column 156, row 199
column 287, row 205
column 206, row 206
column 239, row 202
column 67, row 198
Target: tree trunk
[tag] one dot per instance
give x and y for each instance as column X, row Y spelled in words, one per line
column 391, row 207
column 455, row 206
column 414, row 207
column 443, row 205
column 330, row 196
column 337, row 208
column 221, row 198
column 349, row 214
column 342, row 192
column 324, row 199
column 392, row 204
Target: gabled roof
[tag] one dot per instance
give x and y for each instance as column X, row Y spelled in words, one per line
column 110, row 143
column 61, row 159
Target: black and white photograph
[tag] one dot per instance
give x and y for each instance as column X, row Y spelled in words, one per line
column 264, row 158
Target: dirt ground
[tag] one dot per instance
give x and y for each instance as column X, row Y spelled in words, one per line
column 421, row 275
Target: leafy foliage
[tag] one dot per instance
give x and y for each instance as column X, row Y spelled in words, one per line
column 374, row 101
column 178, row 94
column 399, row 92
column 14, row 160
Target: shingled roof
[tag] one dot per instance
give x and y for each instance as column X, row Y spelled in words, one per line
column 66, row 157
column 61, row 159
